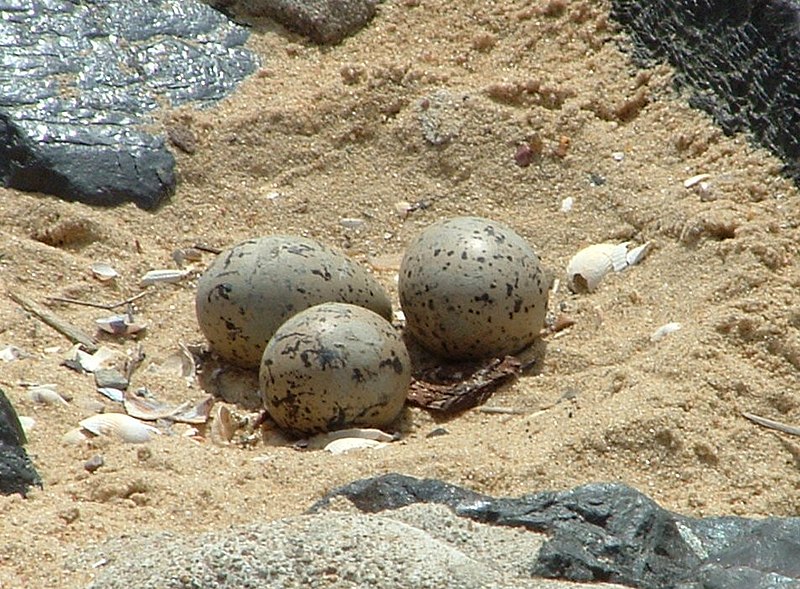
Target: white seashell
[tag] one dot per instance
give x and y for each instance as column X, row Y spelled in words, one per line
column 352, row 223
column 590, row 265
column 46, row 395
column 75, row 436
column 124, row 427
column 91, row 362
column 689, row 182
column 120, row 325
column 222, row 426
column 664, row 331
column 156, row 276
column 27, row 423
column 323, row 440
column 343, row 445
column 638, row 253
column 566, row 204
column 10, row 353
column 104, row 272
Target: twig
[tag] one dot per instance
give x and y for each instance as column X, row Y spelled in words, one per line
column 776, row 425
column 206, row 248
column 71, row 332
column 107, row 307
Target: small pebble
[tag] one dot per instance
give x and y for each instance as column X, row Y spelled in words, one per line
column 435, row 433
column 94, row 463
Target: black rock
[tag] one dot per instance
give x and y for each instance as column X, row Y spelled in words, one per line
column 613, row 533
column 392, row 491
column 17, row 473
column 81, row 78
column 739, row 58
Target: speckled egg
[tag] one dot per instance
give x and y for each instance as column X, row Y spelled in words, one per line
column 472, row 288
column 249, row 290
column 334, row 366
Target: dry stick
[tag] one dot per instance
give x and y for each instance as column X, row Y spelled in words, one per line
column 206, row 248
column 72, row 333
column 776, row 425
column 109, row 307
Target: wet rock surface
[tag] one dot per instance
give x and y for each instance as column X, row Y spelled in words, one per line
column 80, row 81
column 740, row 60
column 17, row 473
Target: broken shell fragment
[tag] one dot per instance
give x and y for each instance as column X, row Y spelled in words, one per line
column 222, row 425
column 589, row 266
column 158, row 276
column 325, row 439
column 120, row 325
column 344, row 445
column 664, row 331
column 126, row 428
column 104, row 272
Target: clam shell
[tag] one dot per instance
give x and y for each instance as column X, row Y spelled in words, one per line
column 343, row 445
column 46, row 395
column 590, row 265
column 124, row 427
column 119, row 325
column 104, row 272
column 372, row 434
column 222, row 425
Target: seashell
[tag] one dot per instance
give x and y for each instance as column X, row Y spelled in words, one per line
column 143, row 405
column 179, row 363
column 638, row 253
column 344, row 445
column 91, row 362
column 222, row 425
column 353, row 223
column 689, row 182
column 126, row 428
column 46, row 395
column 323, row 440
column 590, row 265
column 10, row 353
column 104, row 272
column 112, row 393
column 120, row 325
column 567, row 204
column 168, row 276
column 76, row 436
column 27, row 423
column 664, row 331
column 194, row 414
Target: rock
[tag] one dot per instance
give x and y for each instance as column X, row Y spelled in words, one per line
column 740, row 59
column 326, row 22
column 417, row 547
column 78, row 92
column 612, row 533
column 17, row 473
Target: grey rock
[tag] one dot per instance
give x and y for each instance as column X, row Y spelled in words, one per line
column 740, row 60
column 326, row 22
column 17, row 473
column 422, row 546
column 79, row 81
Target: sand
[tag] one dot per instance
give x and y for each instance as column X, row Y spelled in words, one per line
column 429, row 105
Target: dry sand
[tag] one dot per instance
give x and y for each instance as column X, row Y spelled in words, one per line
column 318, row 135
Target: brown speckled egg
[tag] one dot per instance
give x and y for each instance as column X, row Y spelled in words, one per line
column 472, row 288
column 334, row 366
column 249, row 290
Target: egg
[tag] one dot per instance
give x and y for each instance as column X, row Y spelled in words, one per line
column 250, row 289
column 472, row 288
column 334, row 366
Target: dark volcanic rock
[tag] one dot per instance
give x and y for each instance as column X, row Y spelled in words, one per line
column 741, row 60
column 610, row 532
column 17, row 474
column 79, row 79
